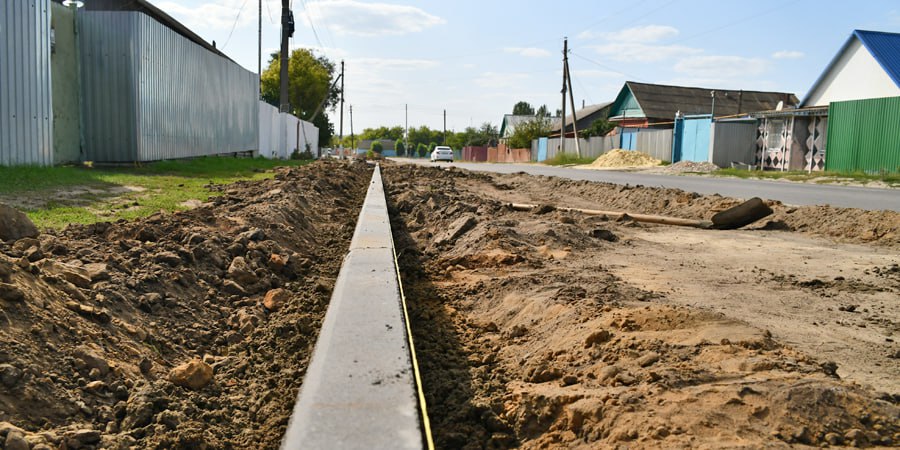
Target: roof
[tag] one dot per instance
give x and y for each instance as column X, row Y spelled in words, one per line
column 510, row 122
column 662, row 101
column 159, row 15
column 582, row 114
column 884, row 47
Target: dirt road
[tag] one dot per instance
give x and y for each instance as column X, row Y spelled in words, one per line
column 553, row 330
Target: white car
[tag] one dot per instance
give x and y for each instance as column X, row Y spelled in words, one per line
column 442, row 153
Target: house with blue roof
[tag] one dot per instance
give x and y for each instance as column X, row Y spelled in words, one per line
column 867, row 66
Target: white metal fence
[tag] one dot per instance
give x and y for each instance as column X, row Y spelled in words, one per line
column 281, row 133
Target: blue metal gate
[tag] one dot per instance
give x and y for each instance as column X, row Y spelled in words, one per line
column 629, row 138
column 542, row 149
column 691, row 141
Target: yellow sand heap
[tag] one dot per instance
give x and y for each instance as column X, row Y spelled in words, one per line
column 624, row 158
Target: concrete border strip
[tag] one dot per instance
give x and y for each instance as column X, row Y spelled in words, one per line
column 359, row 391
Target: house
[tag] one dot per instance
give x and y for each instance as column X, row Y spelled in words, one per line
column 866, row 66
column 586, row 116
column 509, row 123
column 643, row 105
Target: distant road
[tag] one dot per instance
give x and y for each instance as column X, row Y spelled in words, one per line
column 798, row 194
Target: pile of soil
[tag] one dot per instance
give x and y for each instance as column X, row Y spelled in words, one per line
column 690, row 167
column 527, row 339
column 622, row 158
column 187, row 330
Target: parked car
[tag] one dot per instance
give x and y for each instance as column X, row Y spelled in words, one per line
column 442, row 153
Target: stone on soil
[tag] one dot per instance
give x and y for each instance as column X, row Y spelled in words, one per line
column 14, row 224
column 194, row 374
column 276, row 298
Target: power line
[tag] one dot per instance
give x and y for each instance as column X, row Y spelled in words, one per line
column 311, row 24
column 736, row 22
column 236, row 18
column 633, row 77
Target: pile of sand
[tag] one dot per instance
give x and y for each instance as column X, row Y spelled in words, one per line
column 691, row 167
column 624, row 158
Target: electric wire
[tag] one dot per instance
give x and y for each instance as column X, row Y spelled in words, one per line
column 233, row 25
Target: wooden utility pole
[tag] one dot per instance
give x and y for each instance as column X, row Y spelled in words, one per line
column 287, row 30
column 406, row 126
column 562, row 128
column 259, row 52
column 341, row 143
column 572, row 102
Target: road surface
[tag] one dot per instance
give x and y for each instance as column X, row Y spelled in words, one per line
column 789, row 193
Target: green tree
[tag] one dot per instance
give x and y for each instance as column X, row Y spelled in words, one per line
column 400, row 148
column 422, row 150
column 377, row 147
column 523, row 109
column 525, row 132
column 431, row 147
column 543, row 111
column 309, row 84
column 598, row 127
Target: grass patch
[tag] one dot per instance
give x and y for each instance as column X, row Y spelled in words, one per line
column 58, row 196
column 563, row 159
column 891, row 179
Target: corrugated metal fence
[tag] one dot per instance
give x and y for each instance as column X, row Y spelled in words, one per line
column 656, row 143
column 281, row 133
column 864, row 135
column 26, row 115
column 150, row 94
column 733, row 141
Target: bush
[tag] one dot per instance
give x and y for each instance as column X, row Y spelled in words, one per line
column 401, row 149
column 370, row 154
column 527, row 131
column 377, row 147
column 431, row 147
column 422, row 150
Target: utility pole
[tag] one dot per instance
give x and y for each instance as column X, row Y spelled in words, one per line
column 352, row 141
column 341, row 143
column 445, row 127
column 406, row 126
column 574, row 115
column 259, row 50
column 287, row 30
column 562, row 128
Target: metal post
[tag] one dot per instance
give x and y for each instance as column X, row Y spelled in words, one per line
column 259, row 50
column 285, row 34
column 352, row 141
column 341, row 139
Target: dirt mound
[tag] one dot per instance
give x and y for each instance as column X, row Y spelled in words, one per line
column 526, row 339
column 622, row 158
column 690, row 167
column 95, row 318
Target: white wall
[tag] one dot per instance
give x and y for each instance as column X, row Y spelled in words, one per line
column 856, row 75
column 281, row 133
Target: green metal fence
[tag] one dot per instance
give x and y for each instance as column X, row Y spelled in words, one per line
column 864, row 135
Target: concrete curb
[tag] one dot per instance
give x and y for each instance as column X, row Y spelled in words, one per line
column 359, row 391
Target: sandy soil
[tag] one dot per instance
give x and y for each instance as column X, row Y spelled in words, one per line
column 96, row 320
column 553, row 330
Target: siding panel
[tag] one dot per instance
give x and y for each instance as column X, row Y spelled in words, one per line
column 863, row 135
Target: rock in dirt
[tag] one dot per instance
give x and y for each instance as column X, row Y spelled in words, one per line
column 11, row 292
column 648, row 360
column 15, row 440
column 83, row 438
column 14, row 224
column 241, row 272
column 97, row 271
column 10, row 375
column 90, row 360
column 194, row 374
column 276, row 298
column 455, row 230
column 603, row 234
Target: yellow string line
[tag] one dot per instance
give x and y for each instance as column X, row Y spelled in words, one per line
column 412, row 350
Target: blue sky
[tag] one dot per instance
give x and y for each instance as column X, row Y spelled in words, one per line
column 476, row 59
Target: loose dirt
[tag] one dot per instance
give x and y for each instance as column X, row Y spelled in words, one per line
column 618, row 158
column 94, row 319
column 548, row 329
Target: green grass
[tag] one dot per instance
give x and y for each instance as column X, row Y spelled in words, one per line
column 892, row 179
column 562, row 159
column 57, row 196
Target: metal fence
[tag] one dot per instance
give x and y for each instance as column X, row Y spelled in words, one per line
column 733, row 142
column 656, row 143
column 151, row 94
column 281, row 133
column 26, row 115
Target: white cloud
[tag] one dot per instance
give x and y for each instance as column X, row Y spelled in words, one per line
column 221, row 15
column 495, row 80
column 788, row 54
column 529, row 52
column 643, row 34
column 721, row 67
column 394, row 64
column 638, row 52
column 371, row 19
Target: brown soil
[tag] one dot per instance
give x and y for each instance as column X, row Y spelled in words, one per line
column 548, row 329
column 93, row 318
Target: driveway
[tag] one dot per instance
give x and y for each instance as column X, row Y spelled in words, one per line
column 790, row 193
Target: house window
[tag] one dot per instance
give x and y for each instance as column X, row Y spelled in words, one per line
column 774, row 136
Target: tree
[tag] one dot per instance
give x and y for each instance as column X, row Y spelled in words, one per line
column 431, row 146
column 400, row 148
column 598, row 127
column 309, row 84
column 543, row 111
column 422, row 150
column 526, row 132
column 377, row 147
column 523, row 109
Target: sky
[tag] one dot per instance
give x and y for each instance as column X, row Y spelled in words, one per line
column 476, row 59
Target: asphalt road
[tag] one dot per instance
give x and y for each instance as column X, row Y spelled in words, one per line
column 788, row 193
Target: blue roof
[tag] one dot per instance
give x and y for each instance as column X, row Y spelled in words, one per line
column 885, row 48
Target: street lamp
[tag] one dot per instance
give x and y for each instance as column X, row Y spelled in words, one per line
column 712, row 113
